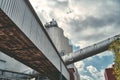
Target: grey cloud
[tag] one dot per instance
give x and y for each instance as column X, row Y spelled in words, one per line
column 59, row 4
column 93, row 2
column 117, row 1
column 108, row 15
column 94, row 22
column 78, row 26
column 94, row 37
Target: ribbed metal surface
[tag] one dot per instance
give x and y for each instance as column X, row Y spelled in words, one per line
column 10, row 75
column 89, row 51
column 23, row 15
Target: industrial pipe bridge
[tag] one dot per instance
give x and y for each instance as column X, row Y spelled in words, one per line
column 23, row 37
column 89, row 51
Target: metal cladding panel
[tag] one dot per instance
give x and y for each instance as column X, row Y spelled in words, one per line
column 20, row 13
column 11, row 64
column 2, row 64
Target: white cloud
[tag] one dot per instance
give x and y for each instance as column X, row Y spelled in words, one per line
column 82, row 43
column 90, row 58
column 62, row 0
column 85, row 77
column 101, row 55
column 106, row 53
column 92, row 69
column 110, row 65
column 80, row 65
column 84, row 14
column 98, row 75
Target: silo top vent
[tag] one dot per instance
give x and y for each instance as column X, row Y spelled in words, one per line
column 52, row 23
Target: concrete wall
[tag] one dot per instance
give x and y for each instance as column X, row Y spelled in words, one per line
column 59, row 40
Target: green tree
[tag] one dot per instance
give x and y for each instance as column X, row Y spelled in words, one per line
column 115, row 47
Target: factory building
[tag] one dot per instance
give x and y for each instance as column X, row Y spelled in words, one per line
column 109, row 75
column 62, row 44
column 57, row 36
column 12, row 69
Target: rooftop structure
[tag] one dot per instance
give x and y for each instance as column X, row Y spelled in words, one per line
column 52, row 23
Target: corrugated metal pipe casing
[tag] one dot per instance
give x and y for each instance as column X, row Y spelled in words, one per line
column 89, row 51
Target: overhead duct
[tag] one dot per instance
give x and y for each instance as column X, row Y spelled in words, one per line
column 89, row 51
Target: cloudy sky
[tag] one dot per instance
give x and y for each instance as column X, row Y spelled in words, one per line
column 84, row 22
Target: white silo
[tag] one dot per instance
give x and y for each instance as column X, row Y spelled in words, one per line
column 61, row 43
column 57, row 36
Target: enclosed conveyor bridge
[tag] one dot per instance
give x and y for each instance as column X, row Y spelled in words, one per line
column 23, row 37
column 89, row 51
